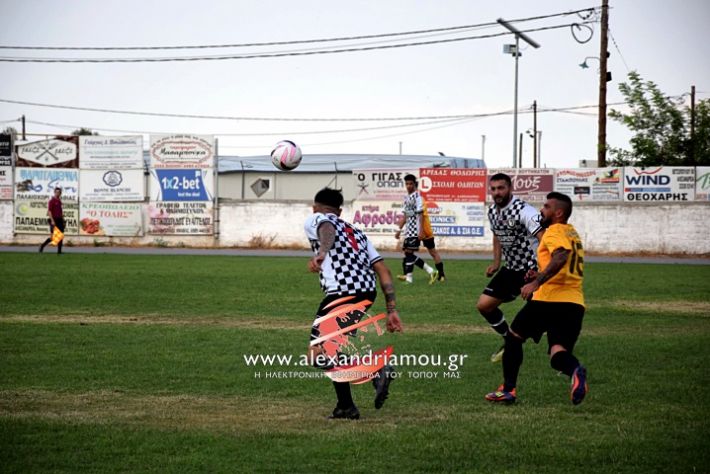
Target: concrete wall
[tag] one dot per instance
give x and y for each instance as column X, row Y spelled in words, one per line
column 298, row 186
column 633, row 228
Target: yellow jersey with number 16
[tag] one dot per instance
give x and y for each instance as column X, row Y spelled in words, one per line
column 566, row 285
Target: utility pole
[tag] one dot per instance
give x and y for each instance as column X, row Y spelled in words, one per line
column 520, row 152
column 603, row 54
column 534, row 134
column 483, row 147
column 516, row 52
column 400, row 148
column 692, row 125
column 23, row 128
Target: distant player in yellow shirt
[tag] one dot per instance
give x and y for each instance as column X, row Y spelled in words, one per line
column 555, row 304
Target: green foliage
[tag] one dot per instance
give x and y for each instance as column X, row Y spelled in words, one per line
column 661, row 126
column 84, row 131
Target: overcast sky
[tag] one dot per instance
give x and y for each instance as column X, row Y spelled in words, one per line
column 663, row 40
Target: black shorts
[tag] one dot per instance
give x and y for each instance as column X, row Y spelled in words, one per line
column 333, row 324
column 60, row 224
column 412, row 243
column 506, row 284
column 561, row 321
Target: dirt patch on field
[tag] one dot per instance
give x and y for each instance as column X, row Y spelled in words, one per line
column 701, row 308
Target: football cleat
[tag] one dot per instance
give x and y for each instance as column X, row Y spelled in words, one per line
column 433, row 276
column 579, row 386
column 497, row 356
column 351, row 413
column 502, row 396
column 442, row 279
column 382, row 385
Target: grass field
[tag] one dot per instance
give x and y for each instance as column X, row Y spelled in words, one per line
column 136, row 363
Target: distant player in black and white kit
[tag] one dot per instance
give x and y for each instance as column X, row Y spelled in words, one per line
column 349, row 267
column 417, row 228
column 516, row 229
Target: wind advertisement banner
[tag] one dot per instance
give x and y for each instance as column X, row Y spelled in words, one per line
column 661, row 183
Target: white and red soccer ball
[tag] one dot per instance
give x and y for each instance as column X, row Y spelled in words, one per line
column 286, row 155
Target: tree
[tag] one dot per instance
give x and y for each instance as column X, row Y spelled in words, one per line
column 10, row 131
column 84, row 131
column 662, row 128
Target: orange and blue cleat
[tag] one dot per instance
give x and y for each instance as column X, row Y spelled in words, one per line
column 579, row 385
column 502, row 396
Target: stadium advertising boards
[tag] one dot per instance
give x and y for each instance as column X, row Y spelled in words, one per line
column 39, row 183
column 453, row 184
column 590, row 184
column 531, row 185
column 5, row 182
column 702, row 183
column 456, row 219
column 662, row 183
column 180, row 218
column 181, row 184
column 111, row 185
column 58, row 152
column 110, row 219
column 182, row 151
column 98, row 152
column 381, row 184
column 31, row 217
column 377, row 217
column 5, row 150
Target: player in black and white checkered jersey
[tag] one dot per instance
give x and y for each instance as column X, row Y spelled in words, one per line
column 516, row 229
column 349, row 267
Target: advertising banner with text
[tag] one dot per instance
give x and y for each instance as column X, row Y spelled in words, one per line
column 181, row 218
column 182, row 185
column 5, row 150
column 381, row 184
column 376, row 217
column 39, row 183
column 112, row 185
column 531, row 185
column 31, row 217
column 182, row 151
column 702, row 183
column 453, row 184
column 110, row 219
column 5, row 182
column 58, row 152
column 98, row 152
column 590, row 184
column 660, row 183
column 457, row 219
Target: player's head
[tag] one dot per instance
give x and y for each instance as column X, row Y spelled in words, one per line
column 501, row 188
column 57, row 192
column 410, row 182
column 328, row 200
column 556, row 209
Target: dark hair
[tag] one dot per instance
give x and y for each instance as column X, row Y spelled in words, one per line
column 330, row 197
column 565, row 202
column 501, row 177
column 410, row 177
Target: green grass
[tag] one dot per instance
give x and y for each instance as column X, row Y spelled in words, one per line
column 135, row 363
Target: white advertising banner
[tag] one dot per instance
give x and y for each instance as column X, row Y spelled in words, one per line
column 58, row 152
column 180, row 218
column 111, row 185
column 660, row 183
column 381, row 184
column 457, row 219
column 31, row 217
column 376, row 217
column 590, row 184
column 182, row 151
column 97, row 152
column 110, row 219
column 529, row 184
column 5, row 182
column 702, row 183
column 39, row 183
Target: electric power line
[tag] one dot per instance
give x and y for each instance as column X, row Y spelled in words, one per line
column 277, row 54
column 281, row 43
column 616, row 46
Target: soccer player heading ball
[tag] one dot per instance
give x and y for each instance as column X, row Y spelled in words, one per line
column 555, row 304
column 349, row 267
column 418, row 229
column 516, row 229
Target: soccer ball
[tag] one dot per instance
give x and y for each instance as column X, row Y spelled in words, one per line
column 286, row 155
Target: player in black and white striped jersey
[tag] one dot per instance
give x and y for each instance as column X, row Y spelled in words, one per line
column 516, row 229
column 349, row 267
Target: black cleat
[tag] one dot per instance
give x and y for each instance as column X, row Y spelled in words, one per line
column 351, row 413
column 382, row 385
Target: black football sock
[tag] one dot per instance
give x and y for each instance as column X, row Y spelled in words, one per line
column 440, row 269
column 419, row 262
column 512, row 360
column 345, row 398
column 409, row 263
column 497, row 321
column 404, row 265
column 45, row 243
column 564, row 362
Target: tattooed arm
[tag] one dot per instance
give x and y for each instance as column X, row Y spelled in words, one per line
column 559, row 258
column 326, row 239
column 394, row 324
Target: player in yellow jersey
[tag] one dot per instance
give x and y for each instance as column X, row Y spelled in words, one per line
column 555, row 304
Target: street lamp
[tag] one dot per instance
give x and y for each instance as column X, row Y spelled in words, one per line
column 514, row 49
column 584, row 65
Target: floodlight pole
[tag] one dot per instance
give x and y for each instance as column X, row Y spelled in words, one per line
column 518, row 34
